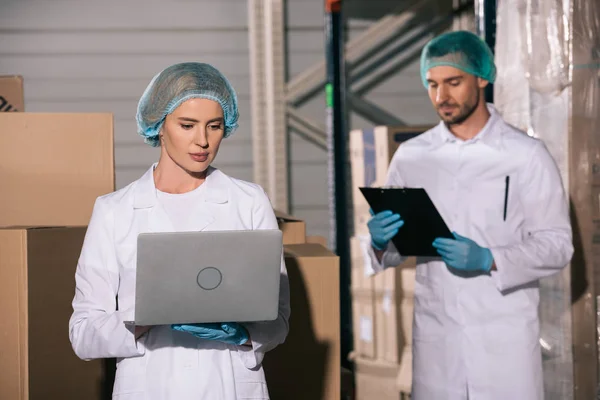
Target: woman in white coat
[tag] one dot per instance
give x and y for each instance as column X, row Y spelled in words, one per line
column 186, row 110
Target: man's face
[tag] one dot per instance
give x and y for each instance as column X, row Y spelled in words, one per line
column 454, row 93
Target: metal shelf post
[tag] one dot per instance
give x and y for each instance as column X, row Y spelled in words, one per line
column 337, row 147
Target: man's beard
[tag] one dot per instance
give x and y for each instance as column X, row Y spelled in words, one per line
column 466, row 110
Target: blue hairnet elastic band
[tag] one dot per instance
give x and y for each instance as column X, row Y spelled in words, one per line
column 450, row 64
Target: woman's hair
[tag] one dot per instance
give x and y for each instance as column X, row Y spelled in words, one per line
column 176, row 84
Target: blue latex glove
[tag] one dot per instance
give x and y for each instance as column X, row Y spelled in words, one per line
column 464, row 254
column 383, row 227
column 231, row 332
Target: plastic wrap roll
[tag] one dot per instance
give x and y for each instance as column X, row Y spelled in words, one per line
column 547, row 44
column 533, row 92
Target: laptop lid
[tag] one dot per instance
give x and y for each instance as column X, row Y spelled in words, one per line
column 209, row 276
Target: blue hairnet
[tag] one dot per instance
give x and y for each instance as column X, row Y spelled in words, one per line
column 460, row 49
column 176, row 84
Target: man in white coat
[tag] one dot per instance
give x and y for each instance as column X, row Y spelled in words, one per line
column 476, row 325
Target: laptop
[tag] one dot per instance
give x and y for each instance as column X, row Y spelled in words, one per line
column 198, row 277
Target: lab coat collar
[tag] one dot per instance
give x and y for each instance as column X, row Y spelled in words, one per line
column 490, row 135
column 215, row 189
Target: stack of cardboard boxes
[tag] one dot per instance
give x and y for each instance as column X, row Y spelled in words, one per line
column 382, row 303
column 53, row 167
column 307, row 365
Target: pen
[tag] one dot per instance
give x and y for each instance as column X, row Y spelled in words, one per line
column 506, row 196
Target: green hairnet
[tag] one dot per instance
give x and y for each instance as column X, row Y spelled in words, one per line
column 176, row 84
column 462, row 50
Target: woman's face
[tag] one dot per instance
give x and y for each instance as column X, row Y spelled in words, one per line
column 192, row 134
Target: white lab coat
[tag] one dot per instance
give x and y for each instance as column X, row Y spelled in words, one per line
column 480, row 335
column 164, row 364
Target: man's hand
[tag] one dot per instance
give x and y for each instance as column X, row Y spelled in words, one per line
column 464, row 254
column 383, row 227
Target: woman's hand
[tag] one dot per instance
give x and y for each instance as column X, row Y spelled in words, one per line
column 231, row 332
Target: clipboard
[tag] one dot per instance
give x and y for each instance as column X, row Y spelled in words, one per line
column 422, row 221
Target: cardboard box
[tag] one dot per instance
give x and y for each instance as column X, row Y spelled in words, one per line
column 580, row 156
column 11, row 93
column 294, row 229
column 393, row 326
column 37, row 274
column 387, row 280
column 404, row 380
column 362, row 162
column 407, row 313
column 364, row 324
column 392, row 279
column 54, row 166
column 381, row 306
column 307, row 365
column 387, row 141
column 376, row 380
column 318, row 240
column 394, row 310
column 362, row 273
column 388, row 317
column 408, row 279
column 371, row 151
